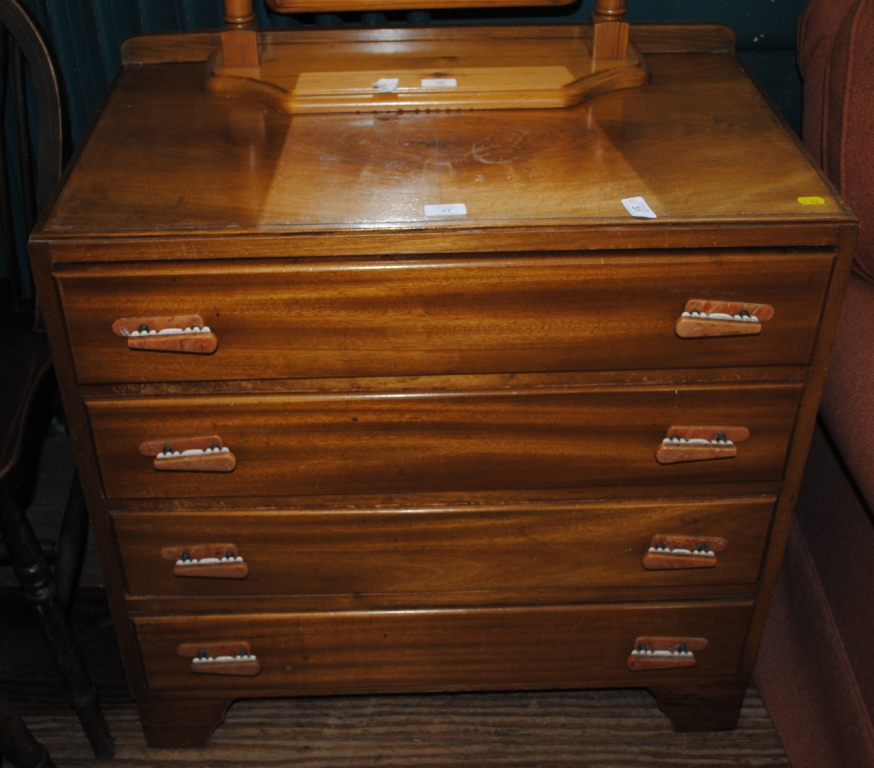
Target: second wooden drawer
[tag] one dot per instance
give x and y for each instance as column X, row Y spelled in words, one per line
column 440, row 441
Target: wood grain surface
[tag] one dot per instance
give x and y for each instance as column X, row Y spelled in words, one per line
column 620, row 729
column 520, row 351
column 440, row 441
column 609, row 729
column 562, row 729
column 268, row 172
column 477, row 71
column 444, row 650
column 504, row 314
column 649, row 38
column 538, row 549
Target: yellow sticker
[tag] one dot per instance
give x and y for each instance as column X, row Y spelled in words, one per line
column 811, row 201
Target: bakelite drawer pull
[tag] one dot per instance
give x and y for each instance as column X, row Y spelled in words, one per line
column 668, row 553
column 176, row 333
column 700, row 444
column 207, row 561
column 703, row 318
column 664, row 652
column 190, row 454
column 224, row 658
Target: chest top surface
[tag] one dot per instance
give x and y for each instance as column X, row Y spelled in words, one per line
column 699, row 143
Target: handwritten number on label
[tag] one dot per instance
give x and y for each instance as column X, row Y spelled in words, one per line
column 449, row 209
column 638, row 208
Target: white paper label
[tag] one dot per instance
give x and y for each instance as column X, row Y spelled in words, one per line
column 451, row 209
column 638, row 208
column 387, row 84
column 439, row 82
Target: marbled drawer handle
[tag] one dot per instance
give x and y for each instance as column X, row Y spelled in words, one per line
column 700, row 444
column 664, row 652
column 176, row 333
column 703, row 318
column 669, row 553
column 228, row 657
column 190, row 454
column 207, row 561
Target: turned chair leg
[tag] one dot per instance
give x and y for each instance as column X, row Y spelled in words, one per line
column 17, row 742
column 33, row 575
column 72, row 544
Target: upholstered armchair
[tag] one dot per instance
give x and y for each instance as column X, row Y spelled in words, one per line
column 816, row 663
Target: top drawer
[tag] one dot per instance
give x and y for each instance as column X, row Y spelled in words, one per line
column 462, row 315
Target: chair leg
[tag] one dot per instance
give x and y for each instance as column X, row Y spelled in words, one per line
column 33, row 574
column 17, row 742
column 72, row 542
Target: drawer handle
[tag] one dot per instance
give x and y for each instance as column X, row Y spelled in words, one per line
column 177, row 333
column 700, row 444
column 207, row 561
column 224, row 658
column 703, row 318
column 664, row 652
column 669, row 553
column 190, row 454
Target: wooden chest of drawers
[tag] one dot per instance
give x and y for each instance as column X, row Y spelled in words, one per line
column 401, row 452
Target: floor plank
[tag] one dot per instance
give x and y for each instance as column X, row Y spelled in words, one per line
column 590, row 728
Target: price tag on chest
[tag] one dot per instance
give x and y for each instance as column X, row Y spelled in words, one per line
column 638, row 208
column 439, row 82
column 450, row 209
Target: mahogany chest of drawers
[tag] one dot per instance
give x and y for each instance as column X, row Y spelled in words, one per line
column 333, row 443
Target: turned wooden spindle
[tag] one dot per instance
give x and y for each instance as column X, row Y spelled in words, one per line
column 239, row 12
column 612, row 8
column 240, row 35
column 610, row 30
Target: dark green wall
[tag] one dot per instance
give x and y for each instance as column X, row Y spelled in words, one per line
column 87, row 35
column 765, row 31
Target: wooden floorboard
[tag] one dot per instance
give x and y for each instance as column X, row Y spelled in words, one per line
column 613, row 729
column 588, row 728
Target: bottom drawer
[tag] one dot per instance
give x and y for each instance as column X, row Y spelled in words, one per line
column 391, row 651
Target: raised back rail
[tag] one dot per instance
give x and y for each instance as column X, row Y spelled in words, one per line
column 488, row 71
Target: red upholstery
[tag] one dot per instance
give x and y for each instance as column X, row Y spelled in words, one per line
column 848, row 401
column 817, row 28
column 816, row 664
column 844, row 83
column 848, row 155
column 836, row 58
column 815, row 661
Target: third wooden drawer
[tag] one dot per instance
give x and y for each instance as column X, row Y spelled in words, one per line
column 566, row 547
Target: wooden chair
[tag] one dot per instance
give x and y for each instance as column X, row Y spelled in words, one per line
column 18, row 743
column 26, row 388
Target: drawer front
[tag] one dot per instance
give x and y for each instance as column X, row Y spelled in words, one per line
column 439, row 441
column 384, row 651
column 488, row 315
column 538, row 547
